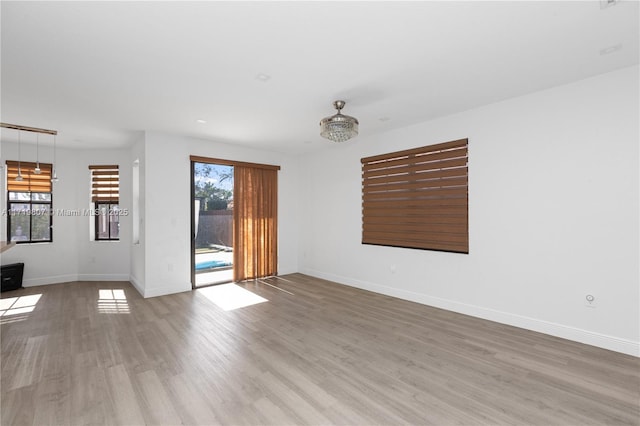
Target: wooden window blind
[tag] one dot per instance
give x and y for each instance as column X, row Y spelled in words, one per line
column 105, row 184
column 31, row 182
column 417, row 198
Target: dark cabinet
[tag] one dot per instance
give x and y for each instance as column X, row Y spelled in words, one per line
column 12, row 276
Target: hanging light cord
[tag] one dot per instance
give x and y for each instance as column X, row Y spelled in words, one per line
column 54, row 178
column 37, row 170
column 18, row 151
column 19, row 177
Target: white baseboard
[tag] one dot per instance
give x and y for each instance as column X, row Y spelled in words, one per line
column 103, row 277
column 34, row 282
column 137, row 284
column 163, row 291
column 287, row 271
column 59, row 279
column 612, row 343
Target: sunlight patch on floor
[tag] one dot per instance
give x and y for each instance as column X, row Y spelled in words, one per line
column 17, row 308
column 231, row 296
column 112, row 301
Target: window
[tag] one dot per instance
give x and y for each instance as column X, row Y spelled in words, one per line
column 105, row 195
column 135, row 205
column 417, row 198
column 29, row 203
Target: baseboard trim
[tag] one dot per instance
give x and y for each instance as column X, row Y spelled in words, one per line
column 137, row 284
column 58, row 279
column 103, row 277
column 163, row 291
column 612, row 343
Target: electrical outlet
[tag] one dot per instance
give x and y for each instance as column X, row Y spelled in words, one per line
column 590, row 301
column 392, row 268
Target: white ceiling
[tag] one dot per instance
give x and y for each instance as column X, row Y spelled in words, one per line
column 100, row 71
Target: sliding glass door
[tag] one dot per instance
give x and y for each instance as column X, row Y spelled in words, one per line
column 211, row 223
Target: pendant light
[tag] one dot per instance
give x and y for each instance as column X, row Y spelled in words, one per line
column 339, row 127
column 54, row 178
column 37, row 170
column 19, row 177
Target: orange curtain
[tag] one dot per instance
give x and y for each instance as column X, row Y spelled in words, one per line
column 255, row 230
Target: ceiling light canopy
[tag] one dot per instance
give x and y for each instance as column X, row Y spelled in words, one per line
column 339, row 127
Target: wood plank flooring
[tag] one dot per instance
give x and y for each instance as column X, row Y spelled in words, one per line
column 315, row 353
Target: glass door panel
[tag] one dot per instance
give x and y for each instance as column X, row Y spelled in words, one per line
column 212, row 224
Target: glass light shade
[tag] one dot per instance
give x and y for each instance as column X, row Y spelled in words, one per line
column 339, row 127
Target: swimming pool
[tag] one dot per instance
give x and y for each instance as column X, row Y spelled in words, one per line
column 209, row 264
column 213, row 260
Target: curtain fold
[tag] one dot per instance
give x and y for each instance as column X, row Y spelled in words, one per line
column 255, row 231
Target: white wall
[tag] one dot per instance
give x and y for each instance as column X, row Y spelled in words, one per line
column 167, row 226
column 137, row 261
column 553, row 214
column 71, row 256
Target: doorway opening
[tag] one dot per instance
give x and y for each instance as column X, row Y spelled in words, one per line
column 211, row 223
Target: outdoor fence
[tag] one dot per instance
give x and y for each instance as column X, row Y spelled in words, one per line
column 215, row 228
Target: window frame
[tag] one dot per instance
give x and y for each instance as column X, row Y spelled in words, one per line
column 26, row 186
column 110, row 214
column 269, row 265
column 105, row 190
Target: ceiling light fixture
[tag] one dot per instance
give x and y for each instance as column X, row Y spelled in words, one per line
column 263, row 77
column 37, row 170
column 339, row 127
column 611, row 49
column 607, row 3
column 54, row 178
column 19, row 177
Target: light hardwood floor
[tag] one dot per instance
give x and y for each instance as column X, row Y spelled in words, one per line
column 316, row 353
